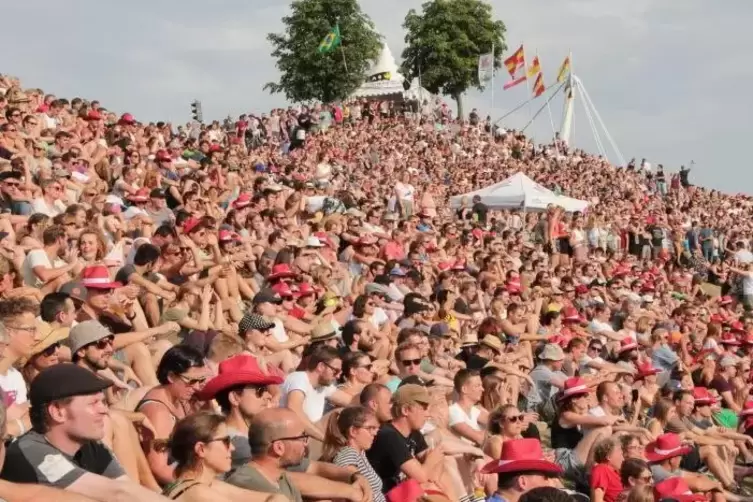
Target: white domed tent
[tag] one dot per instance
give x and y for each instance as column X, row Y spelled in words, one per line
column 383, row 79
column 418, row 93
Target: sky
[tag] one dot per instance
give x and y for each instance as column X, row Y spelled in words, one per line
column 669, row 79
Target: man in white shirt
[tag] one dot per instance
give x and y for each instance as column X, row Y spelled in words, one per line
column 51, row 202
column 44, row 268
column 467, row 420
column 305, row 392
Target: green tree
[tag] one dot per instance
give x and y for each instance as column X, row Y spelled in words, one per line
column 443, row 44
column 305, row 73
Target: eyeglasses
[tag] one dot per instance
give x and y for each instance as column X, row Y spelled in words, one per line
column 226, row 440
column 11, row 184
column 28, row 329
column 410, row 362
column 303, row 437
column 648, row 478
column 366, row 366
column 371, row 428
column 50, row 350
column 336, row 371
column 192, row 381
column 512, row 420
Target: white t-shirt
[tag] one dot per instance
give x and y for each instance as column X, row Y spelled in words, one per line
column 279, row 332
column 37, row 258
column 313, row 402
column 40, row 206
column 459, row 416
column 405, row 191
column 13, row 384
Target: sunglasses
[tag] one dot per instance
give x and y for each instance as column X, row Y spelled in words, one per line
column 336, row 371
column 226, row 440
column 50, row 350
column 515, row 419
column 410, row 362
column 192, row 381
column 103, row 343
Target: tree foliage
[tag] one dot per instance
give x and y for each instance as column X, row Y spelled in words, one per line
column 307, row 75
column 444, row 41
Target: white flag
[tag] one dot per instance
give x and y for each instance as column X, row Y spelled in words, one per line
column 485, row 68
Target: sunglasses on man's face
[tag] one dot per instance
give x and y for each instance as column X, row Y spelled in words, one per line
column 410, row 362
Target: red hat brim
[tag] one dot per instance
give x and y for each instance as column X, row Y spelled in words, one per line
column 104, row 285
column 280, row 275
column 652, row 456
column 226, row 380
column 500, row 466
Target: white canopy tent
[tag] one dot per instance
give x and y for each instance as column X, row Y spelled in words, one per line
column 418, row 93
column 383, row 78
column 520, row 192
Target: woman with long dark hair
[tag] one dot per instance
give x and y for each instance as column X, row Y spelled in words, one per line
column 181, row 373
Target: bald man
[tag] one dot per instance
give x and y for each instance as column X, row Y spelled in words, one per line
column 278, row 440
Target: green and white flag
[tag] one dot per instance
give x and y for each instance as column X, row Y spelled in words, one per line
column 331, row 41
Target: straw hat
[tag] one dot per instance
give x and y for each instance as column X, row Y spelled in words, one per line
column 493, row 342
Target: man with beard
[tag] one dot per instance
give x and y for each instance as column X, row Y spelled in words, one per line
column 45, row 268
column 278, row 440
column 305, row 392
column 91, row 345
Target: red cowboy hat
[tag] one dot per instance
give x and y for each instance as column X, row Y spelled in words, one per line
column 737, row 326
column 675, row 489
column 581, row 289
column 666, row 446
column 243, row 200
column 142, row 195
column 163, row 156
column 304, row 289
column 702, row 396
column 729, row 339
column 570, row 314
column 228, row 235
column 281, row 271
column 242, row 369
column 98, row 277
column 574, row 386
column 282, row 289
column 646, row 369
column 627, row 344
column 521, row 455
column 716, row 318
column 725, row 300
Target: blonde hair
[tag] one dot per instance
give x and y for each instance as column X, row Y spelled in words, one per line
column 643, row 493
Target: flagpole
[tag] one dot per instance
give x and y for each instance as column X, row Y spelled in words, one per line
column 549, row 110
column 567, row 118
column 491, row 129
column 528, row 85
column 342, row 49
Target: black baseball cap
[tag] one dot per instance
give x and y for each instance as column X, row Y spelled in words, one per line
column 64, row 380
column 156, row 193
column 10, row 174
column 267, row 296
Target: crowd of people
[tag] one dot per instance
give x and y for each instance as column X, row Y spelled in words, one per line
column 287, row 308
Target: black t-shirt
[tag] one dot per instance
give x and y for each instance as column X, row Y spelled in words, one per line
column 391, row 450
column 32, row 459
column 481, row 210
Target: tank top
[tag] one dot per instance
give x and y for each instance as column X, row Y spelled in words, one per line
column 565, row 437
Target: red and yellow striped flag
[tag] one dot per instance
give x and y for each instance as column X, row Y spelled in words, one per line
column 515, row 62
column 563, row 70
column 534, row 68
column 538, row 86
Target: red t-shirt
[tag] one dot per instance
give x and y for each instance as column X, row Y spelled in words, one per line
column 605, row 477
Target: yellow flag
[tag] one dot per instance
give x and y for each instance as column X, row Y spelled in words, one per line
column 534, row 68
column 563, row 70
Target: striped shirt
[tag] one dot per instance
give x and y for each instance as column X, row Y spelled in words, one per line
column 348, row 456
